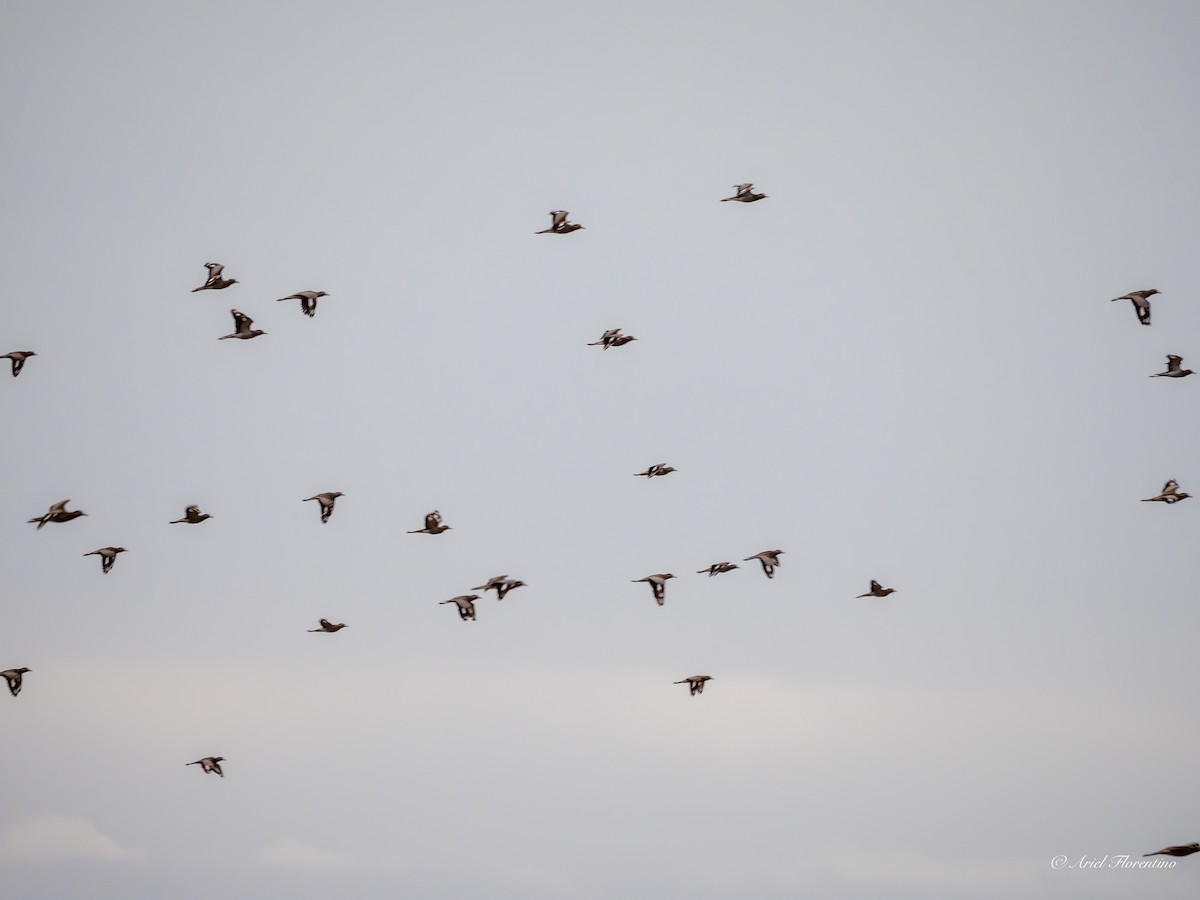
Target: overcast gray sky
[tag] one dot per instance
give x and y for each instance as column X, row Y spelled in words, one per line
column 902, row 365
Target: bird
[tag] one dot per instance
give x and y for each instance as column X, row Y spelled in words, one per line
column 606, row 339
column 191, row 516
column 58, row 513
column 718, row 568
column 433, row 524
column 215, row 282
column 656, row 469
column 620, row 340
column 308, row 301
column 18, row 358
column 326, row 625
column 744, row 194
column 1170, row 493
column 559, row 223
column 877, row 590
column 326, row 500
column 695, row 683
column 1173, row 368
column 210, row 764
column 108, row 556
column 659, row 585
column 501, row 584
column 1179, row 850
column 13, row 677
column 1141, row 303
column 242, row 323
column 769, row 560
column 465, row 604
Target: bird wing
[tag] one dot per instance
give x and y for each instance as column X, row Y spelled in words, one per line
column 214, row 270
column 742, row 188
column 433, row 520
column 60, row 506
column 875, row 585
column 1173, row 362
column 558, row 218
column 1170, row 487
column 241, row 321
column 325, row 623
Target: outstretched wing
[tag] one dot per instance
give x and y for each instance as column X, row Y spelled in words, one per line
column 558, row 218
column 60, row 506
column 875, row 585
column 326, row 624
column 742, row 188
column 1173, row 362
column 214, row 270
column 1170, row 487
column 433, row 520
column 241, row 321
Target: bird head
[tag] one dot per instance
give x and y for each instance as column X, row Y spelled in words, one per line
column 233, row 281
column 1153, row 291
column 337, row 494
column 322, row 294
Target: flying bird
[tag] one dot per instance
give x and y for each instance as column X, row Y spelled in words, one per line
column 659, row 584
column 606, row 339
column 326, row 625
column 13, row 677
column 717, row 569
column 465, row 604
column 18, row 358
column 656, row 469
column 1170, row 493
column 108, row 556
column 433, row 524
column 502, row 587
column 695, row 683
column 559, row 223
column 877, row 590
column 620, row 340
column 745, row 194
column 1179, row 850
column 210, row 764
column 191, row 516
column 769, row 560
column 215, row 282
column 1174, row 369
column 308, row 301
column 241, row 323
column 1141, row 303
column 326, row 501
column 58, row 513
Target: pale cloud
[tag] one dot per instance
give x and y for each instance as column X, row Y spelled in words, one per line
column 59, row 838
column 288, row 853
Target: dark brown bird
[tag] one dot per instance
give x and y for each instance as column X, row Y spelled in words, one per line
column 1170, row 494
column 215, row 282
column 501, row 584
column 108, row 556
column 744, row 194
column 695, row 683
column 243, row 331
column 717, row 569
column 308, row 301
column 1174, row 368
column 769, row 560
column 606, row 339
column 433, row 524
column 326, row 625
column 191, row 516
column 659, row 584
column 210, row 764
column 326, row 501
column 58, row 513
column 877, row 590
column 18, row 358
column 559, row 223
column 1141, row 303
column 1180, row 850
column 465, row 604
column 13, row 677
column 656, row 469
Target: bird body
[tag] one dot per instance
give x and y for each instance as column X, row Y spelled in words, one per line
column 326, row 625
column 191, row 516
column 559, row 223
column 215, row 282
column 659, row 584
column 108, row 556
column 433, row 524
column 1169, row 494
column 242, row 330
column 1174, row 368
column 1179, row 850
column 210, row 764
column 308, row 301
column 745, row 194
column 769, row 560
column 1141, row 303
column 695, row 683
column 465, row 604
column 326, row 501
column 717, row 569
column 877, row 590
column 58, row 513
column 656, row 469
column 613, row 338
column 18, row 358
column 13, row 677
